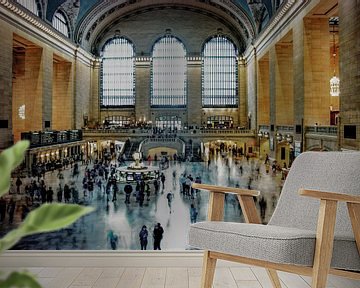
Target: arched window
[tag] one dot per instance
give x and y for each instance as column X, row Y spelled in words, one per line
column 60, row 23
column 219, row 73
column 32, row 5
column 118, row 73
column 168, row 85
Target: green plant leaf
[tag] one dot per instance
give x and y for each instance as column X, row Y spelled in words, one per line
column 10, row 239
column 46, row 218
column 19, row 280
column 10, row 159
column 49, row 217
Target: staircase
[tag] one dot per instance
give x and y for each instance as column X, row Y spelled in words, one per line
column 192, row 151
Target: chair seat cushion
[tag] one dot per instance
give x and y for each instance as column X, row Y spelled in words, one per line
column 270, row 243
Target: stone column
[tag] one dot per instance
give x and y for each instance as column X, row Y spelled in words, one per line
column 316, row 71
column 263, row 82
column 252, row 92
column 6, row 75
column 298, row 74
column 194, row 102
column 95, row 93
column 62, row 95
column 142, row 90
column 284, row 84
column 33, row 90
column 82, row 91
column 349, row 50
column 46, row 69
column 242, row 93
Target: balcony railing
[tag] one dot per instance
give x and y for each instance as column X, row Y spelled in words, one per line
column 284, row 128
column 187, row 132
column 323, row 130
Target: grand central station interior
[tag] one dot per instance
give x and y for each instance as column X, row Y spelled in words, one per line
column 225, row 133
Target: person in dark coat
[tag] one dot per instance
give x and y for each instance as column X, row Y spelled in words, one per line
column 49, row 195
column 127, row 189
column 11, row 210
column 18, row 185
column 158, row 235
column 2, row 209
column 143, row 237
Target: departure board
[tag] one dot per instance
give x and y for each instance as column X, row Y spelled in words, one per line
column 62, row 136
column 39, row 138
column 48, row 138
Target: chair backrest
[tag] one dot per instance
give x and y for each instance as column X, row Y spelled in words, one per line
column 325, row 171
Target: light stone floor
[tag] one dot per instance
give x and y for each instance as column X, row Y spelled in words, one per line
column 171, row 277
column 89, row 233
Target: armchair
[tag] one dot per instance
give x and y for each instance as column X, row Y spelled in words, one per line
column 314, row 230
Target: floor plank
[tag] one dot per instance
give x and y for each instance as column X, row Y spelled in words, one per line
column 224, row 278
column 243, row 273
column 177, row 278
column 66, row 277
column 293, row 280
column 112, row 272
column 87, row 277
column 154, row 278
column 132, row 277
column 106, row 282
column 194, row 277
column 263, row 278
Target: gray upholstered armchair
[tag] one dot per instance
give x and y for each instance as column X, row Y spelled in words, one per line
column 314, row 231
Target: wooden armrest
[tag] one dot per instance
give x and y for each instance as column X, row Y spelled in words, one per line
column 216, row 201
column 222, row 189
column 323, row 195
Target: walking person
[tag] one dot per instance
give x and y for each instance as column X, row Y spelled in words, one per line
column 162, row 177
column 193, row 214
column 128, row 189
column 49, row 195
column 113, row 239
column 2, row 209
column 158, row 235
column 143, row 237
column 18, row 185
column 11, row 210
column 169, row 197
column 59, row 193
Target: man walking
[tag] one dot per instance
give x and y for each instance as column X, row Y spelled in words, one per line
column 157, row 234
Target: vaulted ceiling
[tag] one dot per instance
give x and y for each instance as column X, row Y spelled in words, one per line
column 92, row 18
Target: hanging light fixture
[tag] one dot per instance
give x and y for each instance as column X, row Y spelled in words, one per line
column 334, row 81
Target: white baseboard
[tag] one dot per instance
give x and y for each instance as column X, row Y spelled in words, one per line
column 105, row 259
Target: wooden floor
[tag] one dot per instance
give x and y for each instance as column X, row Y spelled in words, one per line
column 176, row 277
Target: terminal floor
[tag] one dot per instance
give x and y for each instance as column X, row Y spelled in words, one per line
column 90, row 232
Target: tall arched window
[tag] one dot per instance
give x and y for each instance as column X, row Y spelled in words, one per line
column 60, row 23
column 118, row 73
column 32, row 5
column 219, row 73
column 168, row 85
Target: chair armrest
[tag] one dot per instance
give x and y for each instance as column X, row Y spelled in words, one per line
column 216, row 202
column 323, row 195
column 222, row 189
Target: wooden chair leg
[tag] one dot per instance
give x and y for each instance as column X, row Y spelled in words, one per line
column 324, row 243
column 274, row 278
column 208, row 271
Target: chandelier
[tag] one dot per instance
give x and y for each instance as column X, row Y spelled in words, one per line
column 334, row 81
